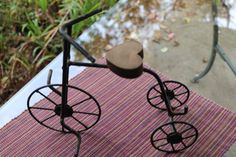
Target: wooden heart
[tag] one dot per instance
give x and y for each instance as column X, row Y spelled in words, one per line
column 126, row 60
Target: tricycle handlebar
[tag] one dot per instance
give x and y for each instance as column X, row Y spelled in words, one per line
column 68, row 37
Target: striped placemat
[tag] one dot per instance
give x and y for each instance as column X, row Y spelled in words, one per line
column 126, row 124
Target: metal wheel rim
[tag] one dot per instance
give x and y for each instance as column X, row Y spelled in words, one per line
column 195, row 136
column 69, row 86
column 181, row 103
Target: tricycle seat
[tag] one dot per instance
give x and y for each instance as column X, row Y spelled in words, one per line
column 126, row 60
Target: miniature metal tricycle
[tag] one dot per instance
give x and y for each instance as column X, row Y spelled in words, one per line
column 125, row 60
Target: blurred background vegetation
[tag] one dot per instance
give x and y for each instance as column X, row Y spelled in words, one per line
column 29, row 38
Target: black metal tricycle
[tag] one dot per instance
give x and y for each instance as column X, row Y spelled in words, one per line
column 124, row 60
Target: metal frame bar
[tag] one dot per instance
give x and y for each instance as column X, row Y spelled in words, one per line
column 216, row 48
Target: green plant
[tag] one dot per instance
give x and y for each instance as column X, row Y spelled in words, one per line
column 29, row 38
column 43, row 5
column 217, row 1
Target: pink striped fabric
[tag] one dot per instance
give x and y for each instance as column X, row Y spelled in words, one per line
column 126, row 124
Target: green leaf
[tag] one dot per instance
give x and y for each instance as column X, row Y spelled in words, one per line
column 108, row 2
column 33, row 27
column 4, row 79
column 36, row 49
column 43, row 5
column 44, row 59
column 23, row 62
column 217, row 2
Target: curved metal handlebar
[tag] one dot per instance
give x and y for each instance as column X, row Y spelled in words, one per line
column 171, row 112
column 68, row 38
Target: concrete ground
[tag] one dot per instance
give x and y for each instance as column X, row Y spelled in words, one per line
column 190, row 57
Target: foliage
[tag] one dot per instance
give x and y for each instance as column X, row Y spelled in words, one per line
column 29, row 38
column 217, row 1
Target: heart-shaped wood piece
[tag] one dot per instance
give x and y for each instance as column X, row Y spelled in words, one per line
column 126, row 60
